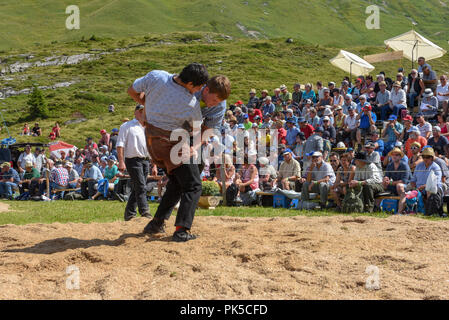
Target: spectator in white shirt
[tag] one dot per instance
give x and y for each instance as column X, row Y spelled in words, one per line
column 398, row 99
column 25, row 157
column 443, row 94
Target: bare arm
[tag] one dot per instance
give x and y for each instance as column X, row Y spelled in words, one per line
column 137, row 96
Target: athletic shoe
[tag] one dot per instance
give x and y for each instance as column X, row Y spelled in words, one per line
column 183, row 235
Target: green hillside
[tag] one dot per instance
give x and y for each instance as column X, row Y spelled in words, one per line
column 337, row 23
column 260, row 64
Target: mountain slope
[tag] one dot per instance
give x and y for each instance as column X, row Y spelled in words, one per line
column 337, row 23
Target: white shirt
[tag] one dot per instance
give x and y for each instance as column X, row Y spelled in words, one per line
column 132, row 138
column 352, row 123
column 443, row 90
column 398, row 98
column 24, row 158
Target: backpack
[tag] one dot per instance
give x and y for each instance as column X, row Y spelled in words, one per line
column 73, row 196
column 231, row 195
column 353, row 201
column 414, row 202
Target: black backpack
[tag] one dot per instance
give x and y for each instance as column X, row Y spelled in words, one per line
column 231, row 195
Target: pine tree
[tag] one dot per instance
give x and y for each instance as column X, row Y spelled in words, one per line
column 38, row 105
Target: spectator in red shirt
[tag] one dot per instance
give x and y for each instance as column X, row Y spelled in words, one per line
column 104, row 141
column 305, row 127
column 252, row 113
column 282, row 133
column 90, row 142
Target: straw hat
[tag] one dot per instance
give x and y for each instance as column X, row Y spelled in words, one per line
column 396, row 150
column 428, row 152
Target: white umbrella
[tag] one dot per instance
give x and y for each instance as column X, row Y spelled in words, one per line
column 351, row 63
column 415, row 45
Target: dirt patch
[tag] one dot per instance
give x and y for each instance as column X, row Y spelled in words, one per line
column 249, row 258
column 4, row 207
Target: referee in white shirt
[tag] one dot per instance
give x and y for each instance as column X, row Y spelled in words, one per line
column 132, row 152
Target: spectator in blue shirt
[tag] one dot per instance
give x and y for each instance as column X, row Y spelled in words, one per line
column 268, row 106
column 292, row 132
column 9, row 180
column 91, row 175
column 367, row 123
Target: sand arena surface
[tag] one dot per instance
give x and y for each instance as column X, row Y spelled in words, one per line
column 234, row 258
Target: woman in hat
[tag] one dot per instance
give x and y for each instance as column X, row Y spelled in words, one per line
column 416, row 158
column 344, row 174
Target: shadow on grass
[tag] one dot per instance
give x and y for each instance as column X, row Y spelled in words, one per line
column 64, row 244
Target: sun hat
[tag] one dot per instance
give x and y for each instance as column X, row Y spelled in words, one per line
column 283, row 87
column 414, row 129
column 428, row 93
column 327, row 111
column 252, row 91
column 264, row 161
column 428, row 152
column 397, row 84
column 28, row 164
column 102, row 131
column 6, row 164
column 317, row 154
column 341, row 145
column 396, row 150
column 416, row 143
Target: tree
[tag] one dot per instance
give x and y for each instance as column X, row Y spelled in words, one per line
column 38, row 105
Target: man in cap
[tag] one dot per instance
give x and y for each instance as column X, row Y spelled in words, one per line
column 104, row 141
column 437, row 140
column 443, row 94
column 320, row 177
column 267, row 122
column 362, row 103
column 432, row 202
column 397, row 176
column 289, row 171
column 285, row 96
column 30, row 179
column 329, row 128
column 253, row 100
column 372, row 156
column 74, row 178
column 368, row 178
column 429, row 104
column 305, row 127
column 246, row 123
column 263, row 96
column 59, row 177
column 9, row 180
column 414, row 136
column 392, row 132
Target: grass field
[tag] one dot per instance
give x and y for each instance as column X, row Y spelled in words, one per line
column 333, row 23
column 25, row 212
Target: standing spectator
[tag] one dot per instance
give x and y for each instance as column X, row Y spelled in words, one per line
column 320, row 177
column 133, row 155
column 26, row 156
column 415, row 88
column 113, row 142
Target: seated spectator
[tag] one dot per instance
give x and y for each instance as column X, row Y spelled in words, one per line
column 327, row 100
column 407, row 121
column 282, row 133
column 388, row 158
column 425, row 128
column 362, row 104
column 398, row 100
column 415, row 88
column 248, row 180
column 338, row 99
column 314, row 143
column 416, row 158
column 267, row 175
column 382, row 103
column 263, row 95
column 320, row 177
column 268, row 106
column 104, row 140
column 367, row 123
column 267, row 122
column 334, row 159
column 289, row 171
column 429, row 78
column 437, row 140
column 285, row 96
column 356, row 91
column 372, row 156
column 74, row 178
column 414, row 136
column 30, row 179
column 91, row 175
column 36, row 130
column 292, row 132
column 253, row 100
column 379, row 144
column 103, row 151
column 111, row 108
column 397, row 176
column 368, row 89
column 429, row 104
column 229, row 169
column 110, row 180
column 350, row 127
column 344, row 174
column 312, row 118
column 368, row 177
column 308, row 93
column 330, row 129
column 297, row 93
column 305, row 127
column 443, row 94
column 348, row 103
column 26, row 130
column 246, row 123
column 392, row 132
column 9, row 180
column 103, row 164
column 298, row 150
column 59, row 177
column 432, row 202
column 71, row 156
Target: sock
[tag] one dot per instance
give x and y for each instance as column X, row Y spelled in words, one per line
column 179, row 228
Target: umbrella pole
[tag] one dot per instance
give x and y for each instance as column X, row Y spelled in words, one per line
column 350, row 73
column 413, row 52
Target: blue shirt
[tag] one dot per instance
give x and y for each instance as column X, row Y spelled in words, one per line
column 311, row 95
column 390, row 132
column 268, row 109
column 93, row 172
column 381, row 147
column 291, row 136
column 364, row 120
column 212, row 116
column 401, row 173
column 11, row 173
column 421, row 173
column 168, row 105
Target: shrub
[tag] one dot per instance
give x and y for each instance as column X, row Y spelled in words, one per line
column 38, row 105
column 210, row 188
